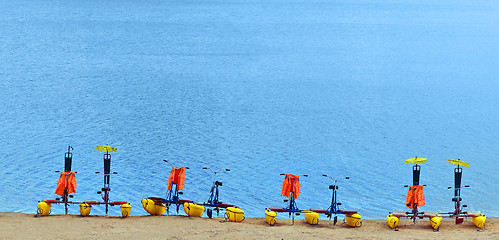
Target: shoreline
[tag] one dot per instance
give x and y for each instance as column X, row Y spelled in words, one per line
column 29, row 226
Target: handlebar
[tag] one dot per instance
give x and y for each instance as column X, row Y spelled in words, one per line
column 61, row 171
column 460, row 187
column 335, row 180
column 302, row 175
column 424, row 185
column 215, row 172
column 108, row 174
column 166, row 161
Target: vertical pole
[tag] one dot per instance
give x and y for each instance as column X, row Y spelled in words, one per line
column 65, row 196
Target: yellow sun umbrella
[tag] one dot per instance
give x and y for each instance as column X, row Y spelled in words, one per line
column 458, row 162
column 106, row 148
column 416, row 160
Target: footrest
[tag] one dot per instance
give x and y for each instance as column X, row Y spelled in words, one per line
column 92, row 202
column 118, row 202
column 319, row 210
column 51, row 201
column 347, row 212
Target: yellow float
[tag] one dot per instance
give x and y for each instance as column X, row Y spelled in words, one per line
column 152, row 207
column 479, row 221
column 312, row 218
column 125, row 210
column 234, row 214
column 435, row 222
column 193, row 210
column 353, row 220
column 270, row 217
column 393, row 221
column 44, row 208
column 85, row 209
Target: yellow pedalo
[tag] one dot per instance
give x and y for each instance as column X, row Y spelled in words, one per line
column 44, row 208
column 270, row 217
column 312, row 218
column 353, row 220
column 435, row 222
column 393, row 221
column 193, row 210
column 85, row 209
column 152, row 207
column 234, row 214
column 125, row 210
column 479, row 221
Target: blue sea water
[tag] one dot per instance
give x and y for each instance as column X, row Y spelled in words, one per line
column 263, row 87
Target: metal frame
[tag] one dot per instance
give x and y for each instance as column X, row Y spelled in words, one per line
column 172, row 195
column 292, row 208
column 213, row 200
column 106, row 188
column 64, row 199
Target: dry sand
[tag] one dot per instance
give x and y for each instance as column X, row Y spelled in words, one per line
column 29, row 226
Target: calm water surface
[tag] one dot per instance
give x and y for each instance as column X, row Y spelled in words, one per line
column 345, row 88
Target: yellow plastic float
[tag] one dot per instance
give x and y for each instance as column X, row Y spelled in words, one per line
column 353, row 220
column 270, row 217
column 479, row 221
column 193, row 210
column 312, row 218
column 435, row 222
column 234, row 214
column 44, row 208
column 125, row 210
column 85, row 209
column 393, row 221
column 152, row 207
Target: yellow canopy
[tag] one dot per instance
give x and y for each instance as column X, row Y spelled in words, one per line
column 416, row 160
column 458, row 162
column 105, row 148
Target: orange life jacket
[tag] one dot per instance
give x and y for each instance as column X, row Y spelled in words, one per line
column 68, row 181
column 177, row 176
column 287, row 185
column 415, row 195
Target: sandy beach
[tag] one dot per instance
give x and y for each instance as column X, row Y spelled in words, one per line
column 29, row 226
